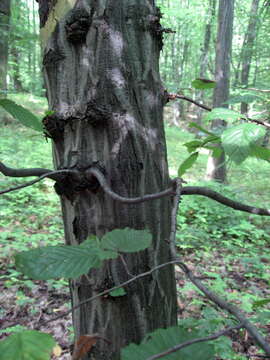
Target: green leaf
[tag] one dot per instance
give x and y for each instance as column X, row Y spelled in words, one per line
column 187, row 164
column 24, row 116
column 52, row 262
column 196, row 126
column 163, row 339
column 118, row 292
column 126, row 240
column 260, row 303
column 27, row 345
column 193, row 145
column 260, row 152
column 203, row 84
column 223, row 114
column 238, row 141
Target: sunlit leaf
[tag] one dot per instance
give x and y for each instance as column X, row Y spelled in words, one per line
column 187, row 164
column 238, row 141
column 27, row 345
column 24, row 116
column 118, row 292
column 203, row 84
column 260, row 303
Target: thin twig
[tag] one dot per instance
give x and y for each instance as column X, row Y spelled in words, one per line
column 237, row 313
column 8, row 171
column 207, row 108
column 30, row 183
column 195, row 341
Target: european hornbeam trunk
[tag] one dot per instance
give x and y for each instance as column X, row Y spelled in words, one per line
column 102, row 76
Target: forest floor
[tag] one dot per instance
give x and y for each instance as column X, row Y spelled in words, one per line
column 229, row 250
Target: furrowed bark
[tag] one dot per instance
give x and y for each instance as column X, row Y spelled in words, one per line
column 102, row 77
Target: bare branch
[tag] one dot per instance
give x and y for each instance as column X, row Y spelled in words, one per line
column 103, row 183
column 195, row 341
column 204, row 191
column 207, row 108
column 50, row 175
column 187, row 190
column 7, row 171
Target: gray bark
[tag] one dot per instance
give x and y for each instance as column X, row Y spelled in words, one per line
column 4, row 30
column 204, row 60
column 248, row 47
column 216, row 168
column 102, row 78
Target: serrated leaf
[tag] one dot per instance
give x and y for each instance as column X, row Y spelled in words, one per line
column 163, row 339
column 203, row 84
column 118, row 292
column 203, row 130
column 238, row 141
column 126, row 240
column 30, row 345
column 52, row 262
column 187, row 164
column 223, row 114
column 24, row 116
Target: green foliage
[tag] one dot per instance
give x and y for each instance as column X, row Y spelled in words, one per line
column 70, row 262
column 118, row 292
column 203, row 84
column 164, row 339
column 223, row 114
column 187, row 164
column 239, row 141
column 30, row 345
column 24, row 116
column 51, row 262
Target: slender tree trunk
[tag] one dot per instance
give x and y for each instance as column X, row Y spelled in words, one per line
column 247, row 49
column 205, row 52
column 216, row 168
column 102, row 77
column 4, row 38
column 4, row 30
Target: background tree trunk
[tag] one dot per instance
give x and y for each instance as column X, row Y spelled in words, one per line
column 247, row 48
column 101, row 67
column 216, row 168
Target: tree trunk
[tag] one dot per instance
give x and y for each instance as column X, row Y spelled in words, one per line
column 204, row 60
column 4, row 31
column 247, row 49
column 216, row 168
column 102, row 77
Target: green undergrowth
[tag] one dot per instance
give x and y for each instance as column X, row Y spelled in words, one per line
column 231, row 249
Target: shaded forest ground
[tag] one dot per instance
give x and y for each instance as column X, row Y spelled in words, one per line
column 229, row 249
